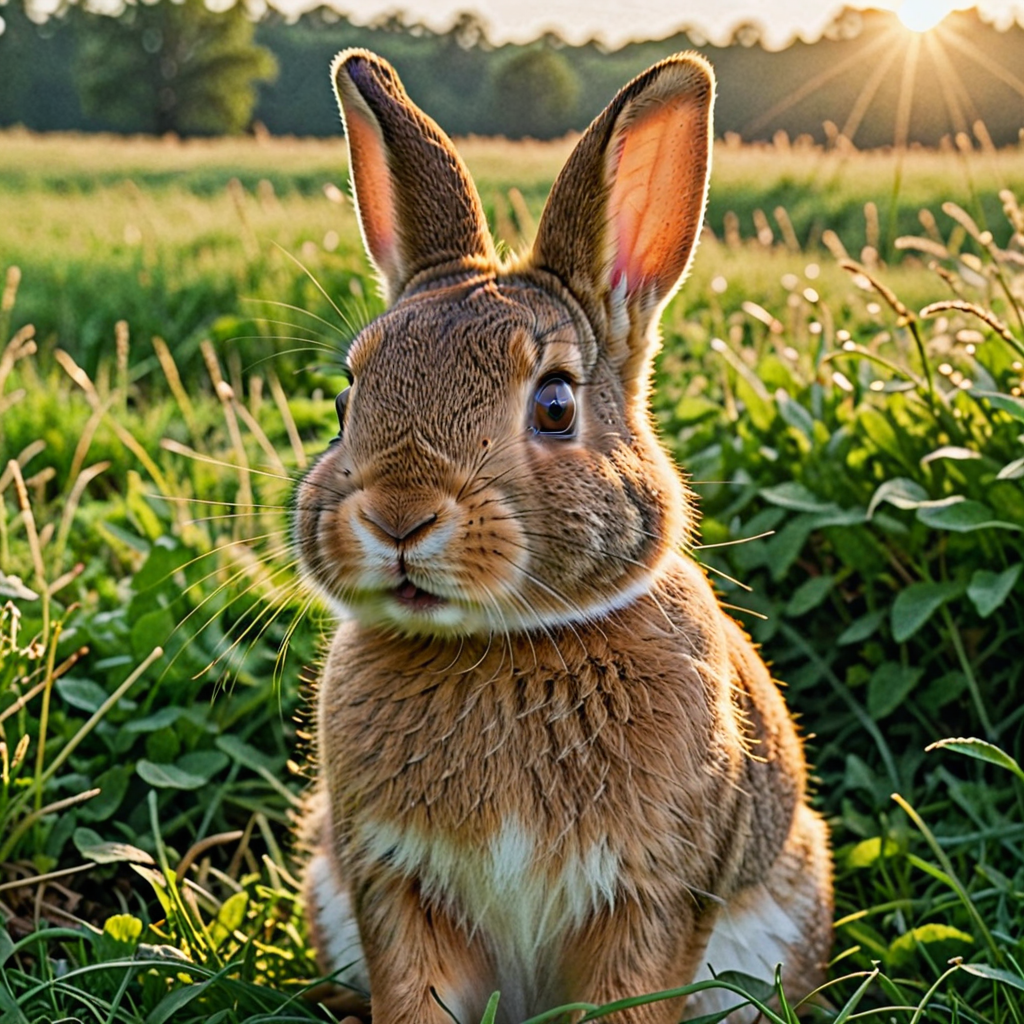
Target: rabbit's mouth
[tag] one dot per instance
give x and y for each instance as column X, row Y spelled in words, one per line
column 408, row 595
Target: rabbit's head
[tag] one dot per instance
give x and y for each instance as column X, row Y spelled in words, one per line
column 496, row 468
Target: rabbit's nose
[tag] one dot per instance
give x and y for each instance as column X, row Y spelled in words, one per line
column 401, row 528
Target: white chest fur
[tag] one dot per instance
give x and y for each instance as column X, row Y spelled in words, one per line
column 517, row 896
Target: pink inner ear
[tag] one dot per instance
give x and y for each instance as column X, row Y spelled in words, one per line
column 373, row 190
column 657, row 196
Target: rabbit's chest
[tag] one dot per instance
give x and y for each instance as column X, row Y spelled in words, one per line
column 510, row 886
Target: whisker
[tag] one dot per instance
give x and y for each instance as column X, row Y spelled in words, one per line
column 731, row 543
column 726, row 576
column 216, row 501
column 319, row 287
column 304, row 312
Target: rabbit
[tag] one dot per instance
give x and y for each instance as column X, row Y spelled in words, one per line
column 550, row 765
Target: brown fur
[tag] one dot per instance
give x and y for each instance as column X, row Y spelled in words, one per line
column 556, row 781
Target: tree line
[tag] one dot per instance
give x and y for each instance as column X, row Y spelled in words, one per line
column 177, row 66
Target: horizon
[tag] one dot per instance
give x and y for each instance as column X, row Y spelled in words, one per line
column 614, row 25
column 609, row 23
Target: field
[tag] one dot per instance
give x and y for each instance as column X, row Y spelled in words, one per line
column 171, row 325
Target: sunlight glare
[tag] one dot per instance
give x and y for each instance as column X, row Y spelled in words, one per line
column 922, row 15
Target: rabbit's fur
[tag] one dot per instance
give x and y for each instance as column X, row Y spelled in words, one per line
column 550, row 764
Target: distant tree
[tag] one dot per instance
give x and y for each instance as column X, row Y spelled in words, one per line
column 535, row 93
column 171, row 66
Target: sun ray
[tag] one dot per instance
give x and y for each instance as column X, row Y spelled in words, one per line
column 969, row 50
column 949, row 82
column 867, row 94
column 812, row 85
column 905, row 103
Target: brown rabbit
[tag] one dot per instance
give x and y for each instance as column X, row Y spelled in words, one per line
column 550, row 764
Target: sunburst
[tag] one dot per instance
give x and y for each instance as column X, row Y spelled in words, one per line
column 920, row 37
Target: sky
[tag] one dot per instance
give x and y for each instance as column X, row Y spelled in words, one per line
column 618, row 21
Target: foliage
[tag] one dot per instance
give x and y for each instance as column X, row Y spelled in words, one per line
column 178, row 237
column 873, row 455
column 146, row 739
column 171, row 66
column 876, row 433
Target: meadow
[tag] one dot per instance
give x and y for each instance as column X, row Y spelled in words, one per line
column 841, row 378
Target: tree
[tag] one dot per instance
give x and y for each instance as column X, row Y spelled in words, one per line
column 171, row 66
column 535, row 94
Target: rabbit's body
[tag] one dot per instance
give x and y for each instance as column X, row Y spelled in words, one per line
column 550, row 764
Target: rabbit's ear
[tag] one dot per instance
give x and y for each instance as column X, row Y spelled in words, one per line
column 623, row 217
column 418, row 207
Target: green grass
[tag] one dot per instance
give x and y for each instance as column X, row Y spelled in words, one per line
column 153, row 640
column 177, row 237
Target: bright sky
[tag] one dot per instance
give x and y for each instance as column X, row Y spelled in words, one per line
column 616, row 21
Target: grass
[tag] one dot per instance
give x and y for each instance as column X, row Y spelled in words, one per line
column 153, row 641
column 187, row 230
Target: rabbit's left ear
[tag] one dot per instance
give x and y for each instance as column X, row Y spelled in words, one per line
column 623, row 217
column 418, row 208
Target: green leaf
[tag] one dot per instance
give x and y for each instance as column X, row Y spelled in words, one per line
column 229, row 918
column 901, row 492
column 994, row 974
column 796, row 497
column 168, row 776
column 943, row 689
column 757, row 988
column 916, row 604
column 163, row 717
column 126, row 537
column 159, row 886
column 981, row 750
column 1007, row 403
column 868, row 851
column 164, row 560
column 903, row 949
column 152, row 628
column 878, row 429
column 950, row 451
column 809, row 595
column 889, row 686
column 204, row 763
column 112, row 784
column 794, row 414
column 1012, row 470
column 120, row 937
column 92, row 846
column 932, row 869
column 491, row 1010
column 83, row 694
column 712, row 1018
column 860, row 629
column 246, row 754
column 176, row 1000
column 988, row 590
column 6, row 946
column 961, row 515
column 694, row 407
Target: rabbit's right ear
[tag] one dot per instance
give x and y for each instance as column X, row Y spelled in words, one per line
column 623, row 217
column 418, row 208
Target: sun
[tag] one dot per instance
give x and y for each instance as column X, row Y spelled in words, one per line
column 922, row 15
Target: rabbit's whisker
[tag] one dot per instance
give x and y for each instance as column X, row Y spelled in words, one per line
column 304, row 312
column 319, row 287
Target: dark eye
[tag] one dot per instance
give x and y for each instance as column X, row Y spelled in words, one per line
column 340, row 404
column 554, row 408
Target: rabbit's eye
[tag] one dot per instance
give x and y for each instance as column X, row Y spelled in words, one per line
column 554, row 408
column 341, row 404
